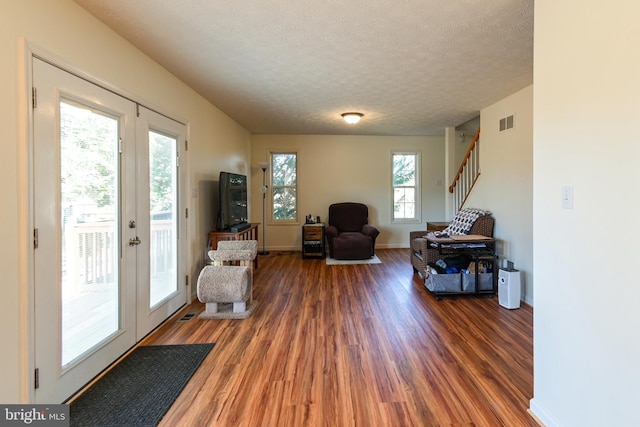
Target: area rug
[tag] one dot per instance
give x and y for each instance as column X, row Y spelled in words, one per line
column 140, row 389
column 374, row 260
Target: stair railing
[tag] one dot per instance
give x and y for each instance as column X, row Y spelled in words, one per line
column 468, row 174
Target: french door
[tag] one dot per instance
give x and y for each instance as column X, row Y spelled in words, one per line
column 161, row 267
column 108, row 240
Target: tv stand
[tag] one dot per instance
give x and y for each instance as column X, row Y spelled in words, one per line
column 250, row 232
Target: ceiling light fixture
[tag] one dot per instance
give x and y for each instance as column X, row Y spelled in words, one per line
column 352, row 118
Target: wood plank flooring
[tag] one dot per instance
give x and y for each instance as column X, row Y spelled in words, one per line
column 356, row 345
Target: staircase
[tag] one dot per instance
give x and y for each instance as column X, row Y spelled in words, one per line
column 468, row 174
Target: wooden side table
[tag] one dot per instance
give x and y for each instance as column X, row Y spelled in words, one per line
column 250, row 233
column 313, row 240
column 437, row 226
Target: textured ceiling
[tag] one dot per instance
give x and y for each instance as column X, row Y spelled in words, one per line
column 413, row 67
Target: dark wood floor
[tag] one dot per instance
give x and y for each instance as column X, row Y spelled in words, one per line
column 356, row 345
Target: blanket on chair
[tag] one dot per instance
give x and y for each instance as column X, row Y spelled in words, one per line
column 464, row 220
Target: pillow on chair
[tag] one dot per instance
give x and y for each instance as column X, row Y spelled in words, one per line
column 464, row 220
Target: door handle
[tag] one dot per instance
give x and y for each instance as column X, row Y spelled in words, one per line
column 135, row 241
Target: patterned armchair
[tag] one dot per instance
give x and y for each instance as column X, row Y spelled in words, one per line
column 466, row 221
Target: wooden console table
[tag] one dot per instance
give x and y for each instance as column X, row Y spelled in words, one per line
column 250, row 233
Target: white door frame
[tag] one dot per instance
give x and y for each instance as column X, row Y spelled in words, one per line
column 26, row 228
column 110, row 291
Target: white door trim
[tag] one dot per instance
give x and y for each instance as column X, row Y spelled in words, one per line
column 25, row 147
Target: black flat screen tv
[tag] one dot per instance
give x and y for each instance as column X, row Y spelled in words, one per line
column 233, row 201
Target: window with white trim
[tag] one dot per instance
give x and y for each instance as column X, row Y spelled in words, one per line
column 404, row 181
column 284, row 186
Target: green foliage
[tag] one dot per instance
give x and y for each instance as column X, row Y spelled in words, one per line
column 404, row 182
column 404, row 169
column 284, row 181
column 88, row 156
column 162, row 155
column 89, row 161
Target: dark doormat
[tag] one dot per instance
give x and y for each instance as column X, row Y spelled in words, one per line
column 140, row 389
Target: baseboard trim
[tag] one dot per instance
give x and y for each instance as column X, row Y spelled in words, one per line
column 536, row 419
column 540, row 415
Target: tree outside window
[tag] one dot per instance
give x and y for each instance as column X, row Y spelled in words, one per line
column 284, row 179
column 405, row 186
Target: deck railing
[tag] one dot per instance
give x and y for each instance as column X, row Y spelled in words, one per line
column 91, row 257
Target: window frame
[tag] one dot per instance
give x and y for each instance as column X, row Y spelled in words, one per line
column 276, row 221
column 417, row 188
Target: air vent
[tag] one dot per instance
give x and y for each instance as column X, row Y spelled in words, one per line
column 190, row 315
column 506, row 123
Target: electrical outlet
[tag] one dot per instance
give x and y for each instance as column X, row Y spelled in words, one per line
column 567, row 197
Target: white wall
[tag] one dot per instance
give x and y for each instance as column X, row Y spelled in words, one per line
column 586, row 107
column 65, row 31
column 350, row 168
column 505, row 186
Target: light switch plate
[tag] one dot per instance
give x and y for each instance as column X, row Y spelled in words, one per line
column 567, row 197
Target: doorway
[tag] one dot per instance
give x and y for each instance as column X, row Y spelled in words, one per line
column 109, row 241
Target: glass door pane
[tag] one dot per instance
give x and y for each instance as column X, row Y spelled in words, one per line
column 89, row 202
column 163, row 219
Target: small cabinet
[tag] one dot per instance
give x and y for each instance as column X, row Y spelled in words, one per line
column 313, row 241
